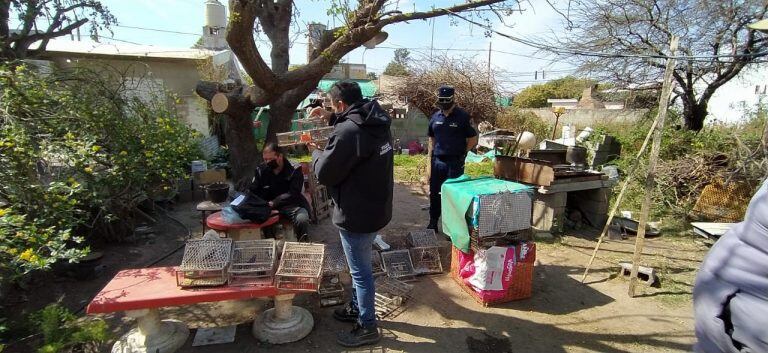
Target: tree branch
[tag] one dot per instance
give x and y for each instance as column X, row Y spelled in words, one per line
column 242, row 43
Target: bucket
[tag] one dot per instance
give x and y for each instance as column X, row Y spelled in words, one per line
column 199, row 166
column 217, row 192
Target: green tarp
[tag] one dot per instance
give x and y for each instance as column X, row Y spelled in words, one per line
column 368, row 87
column 457, row 196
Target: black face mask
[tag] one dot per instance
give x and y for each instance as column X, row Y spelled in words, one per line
column 445, row 106
column 273, row 164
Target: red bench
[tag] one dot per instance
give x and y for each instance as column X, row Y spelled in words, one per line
column 140, row 292
column 240, row 231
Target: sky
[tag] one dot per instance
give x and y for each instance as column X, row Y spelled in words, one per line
column 454, row 38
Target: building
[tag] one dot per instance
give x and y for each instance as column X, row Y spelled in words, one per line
column 563, row 103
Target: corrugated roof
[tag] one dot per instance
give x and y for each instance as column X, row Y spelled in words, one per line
column 367, row 87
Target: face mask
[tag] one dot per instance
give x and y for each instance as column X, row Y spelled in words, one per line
column 445, row 106
column 273, row 164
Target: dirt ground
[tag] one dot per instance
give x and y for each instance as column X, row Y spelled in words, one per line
column 563, row 315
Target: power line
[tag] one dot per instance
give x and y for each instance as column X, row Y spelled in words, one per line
column 602, row 54
column 159, row 30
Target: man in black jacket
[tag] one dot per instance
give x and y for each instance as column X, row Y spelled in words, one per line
column 357, row 166
column 279, row 183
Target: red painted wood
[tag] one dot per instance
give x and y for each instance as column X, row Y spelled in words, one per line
column 150, row 288
column 216, row 221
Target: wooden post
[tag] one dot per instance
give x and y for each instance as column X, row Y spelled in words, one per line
column 666, row 92
column 618, row 199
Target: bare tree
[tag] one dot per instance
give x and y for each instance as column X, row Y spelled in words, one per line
column 715, row 44
column 476, row 91
column 282, row 89
column 39, row 21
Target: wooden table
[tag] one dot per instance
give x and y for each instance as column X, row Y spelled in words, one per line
column 141, row 292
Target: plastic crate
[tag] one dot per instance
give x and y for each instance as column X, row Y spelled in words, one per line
column 520, row 288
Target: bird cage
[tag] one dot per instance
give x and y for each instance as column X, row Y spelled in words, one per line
column 376, row 265
column 426, row 260
column 422, row 238
column 331, row 291
column 300, row 267
column 317, row 135
column 204, row 263
column 390, row 296
column 502, row 212
column 253, row 259
column 335, row 261
column 398, row 264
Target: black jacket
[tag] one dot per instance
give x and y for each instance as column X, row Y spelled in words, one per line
column 356, row 166
column 283, row 189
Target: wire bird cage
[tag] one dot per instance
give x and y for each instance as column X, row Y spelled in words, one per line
column 422, row 238
column 253, row 259
column 390, row 296
column 376, row 265
column 335, row 261
column 300, row 267
column 398, row 264
column 502, row 212
column 426, row 260
column 204, row 263
column 331, row 291
column 317, row 135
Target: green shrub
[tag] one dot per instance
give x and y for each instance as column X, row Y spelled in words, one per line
column 77, row 155
column 62, row 331
column 517, row 120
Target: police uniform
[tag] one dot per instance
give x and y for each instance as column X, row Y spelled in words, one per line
column 450, row 134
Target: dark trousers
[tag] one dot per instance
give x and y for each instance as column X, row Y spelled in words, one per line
column 443, row 168
column 300, row 219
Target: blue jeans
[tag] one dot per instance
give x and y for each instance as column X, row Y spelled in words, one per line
column 358, row 248
column 443, row 168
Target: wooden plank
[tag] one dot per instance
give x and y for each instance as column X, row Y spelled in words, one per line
column 566, row 180
column 709, row 229
column 582, row 185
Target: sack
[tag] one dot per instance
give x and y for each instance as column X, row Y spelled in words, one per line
column 252, row 208
column 231, row 217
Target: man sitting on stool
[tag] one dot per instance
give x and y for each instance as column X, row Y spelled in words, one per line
column 279, row 183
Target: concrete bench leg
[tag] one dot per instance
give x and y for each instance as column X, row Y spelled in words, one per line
column 284, row 323
column 152, row 335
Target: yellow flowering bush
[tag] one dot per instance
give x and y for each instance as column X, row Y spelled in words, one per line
column 78, row 151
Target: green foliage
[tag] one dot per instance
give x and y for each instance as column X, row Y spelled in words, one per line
column 689, row 160
column 372, row 76
column 77, row 154
column 399, row 64
column 63, row 332
column 515, row 120
column 535, row 96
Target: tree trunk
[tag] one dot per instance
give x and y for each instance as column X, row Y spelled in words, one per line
column 280, row 115
column 243, row 154
column 694, row 115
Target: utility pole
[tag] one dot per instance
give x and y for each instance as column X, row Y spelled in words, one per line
column 432, row 44
column 489, row 60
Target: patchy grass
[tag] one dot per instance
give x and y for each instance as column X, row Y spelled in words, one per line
column 412, row 169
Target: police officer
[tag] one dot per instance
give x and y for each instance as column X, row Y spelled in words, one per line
column 451, row 136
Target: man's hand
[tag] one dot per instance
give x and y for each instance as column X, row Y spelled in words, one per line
column 321, row 113
column 312, row 146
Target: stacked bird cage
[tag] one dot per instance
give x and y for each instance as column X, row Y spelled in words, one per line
column 425, row 252
column 398, row 264
column 253, row 259
column 331, row 291
column 318, row 136
column 300, row 267
column 391, row 296
column 376, row 264
column 204, row 263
